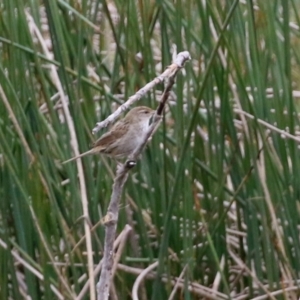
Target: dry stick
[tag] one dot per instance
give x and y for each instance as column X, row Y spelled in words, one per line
column 74, row 144
column 111, row 217
column 178, row 63
column 121, row 247
column 110, row 230
column 119, row 242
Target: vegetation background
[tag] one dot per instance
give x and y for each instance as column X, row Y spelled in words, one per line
column 215, row 197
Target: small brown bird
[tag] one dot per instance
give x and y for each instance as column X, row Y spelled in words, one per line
column 124, row 137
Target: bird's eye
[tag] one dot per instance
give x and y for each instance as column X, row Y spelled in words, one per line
column 146, row 112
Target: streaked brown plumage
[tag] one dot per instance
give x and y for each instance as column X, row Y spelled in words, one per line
column 124, row 137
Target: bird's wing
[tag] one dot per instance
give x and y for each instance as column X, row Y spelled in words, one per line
column 108, row 138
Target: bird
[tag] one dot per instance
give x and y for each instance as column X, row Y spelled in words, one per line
column 124, row 136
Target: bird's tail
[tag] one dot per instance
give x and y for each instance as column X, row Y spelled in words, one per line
column 80, row 155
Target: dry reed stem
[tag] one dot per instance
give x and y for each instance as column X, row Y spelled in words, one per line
column 176, row 286
column 74, row 143
column 26, row 265
column 51, row 257
column 194, row 287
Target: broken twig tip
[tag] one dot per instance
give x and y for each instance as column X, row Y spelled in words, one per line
column 182, row 57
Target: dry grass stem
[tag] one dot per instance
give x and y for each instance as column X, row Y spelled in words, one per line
column 176, row 286
column 140, row 278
